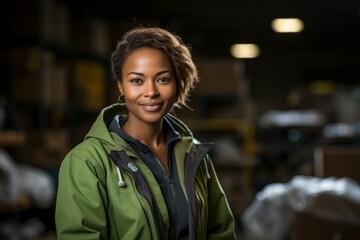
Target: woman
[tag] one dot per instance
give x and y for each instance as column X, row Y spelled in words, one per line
column 139, row 173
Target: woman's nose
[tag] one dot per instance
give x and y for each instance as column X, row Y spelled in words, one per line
column 150, row 89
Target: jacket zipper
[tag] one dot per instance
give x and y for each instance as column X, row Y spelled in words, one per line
column 174, row 198
column 192, row 164
column 175, row 205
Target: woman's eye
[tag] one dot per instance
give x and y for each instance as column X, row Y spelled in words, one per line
column 163, row 80
column 136, row 81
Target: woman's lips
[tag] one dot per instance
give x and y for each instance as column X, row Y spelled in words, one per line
column 151, row 107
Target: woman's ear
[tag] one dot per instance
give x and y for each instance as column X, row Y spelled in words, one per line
column 120, row 88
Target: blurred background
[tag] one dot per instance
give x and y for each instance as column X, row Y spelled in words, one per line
column 279, row 95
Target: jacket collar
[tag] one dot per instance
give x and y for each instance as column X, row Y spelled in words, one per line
column 99, row 129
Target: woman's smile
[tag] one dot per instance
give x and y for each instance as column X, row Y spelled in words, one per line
column 151, row 107
column 148, row 85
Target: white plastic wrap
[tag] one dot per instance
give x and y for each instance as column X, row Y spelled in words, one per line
column 17, row 180
column 270, row 215
column 9, row 181
column 37, row 184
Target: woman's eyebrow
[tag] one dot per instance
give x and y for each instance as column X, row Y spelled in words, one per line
column 135, row 73
column 162, row 72
column 141, row 74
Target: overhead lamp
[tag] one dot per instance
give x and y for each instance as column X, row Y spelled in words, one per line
column 245, row 50
column 287, row 25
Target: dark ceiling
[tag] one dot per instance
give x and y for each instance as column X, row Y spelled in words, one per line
column 328, row 48
column 212, row 26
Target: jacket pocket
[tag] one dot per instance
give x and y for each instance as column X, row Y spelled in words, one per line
column 128, row 220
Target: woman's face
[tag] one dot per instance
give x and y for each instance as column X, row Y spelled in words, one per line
column 148, row 85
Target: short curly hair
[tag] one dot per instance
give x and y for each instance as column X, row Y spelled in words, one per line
column 185, row 71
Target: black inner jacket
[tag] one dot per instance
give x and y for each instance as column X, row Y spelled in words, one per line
column 173, row 194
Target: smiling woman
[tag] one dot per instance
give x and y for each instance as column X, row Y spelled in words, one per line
column 148, row 86
column 140, row 173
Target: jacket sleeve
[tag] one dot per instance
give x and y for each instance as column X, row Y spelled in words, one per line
column 221, row 224
column 81, row 204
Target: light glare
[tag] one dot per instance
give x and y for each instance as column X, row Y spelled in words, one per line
column 245, row 50
column 283, row 25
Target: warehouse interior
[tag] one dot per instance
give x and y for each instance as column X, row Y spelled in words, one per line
column 282, row 121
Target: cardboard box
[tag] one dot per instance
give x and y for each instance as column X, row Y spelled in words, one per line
column 337, row 161
column 49, row 147
column 220, row 77
column 91, row 37
column 47, row 17
column 309, row 227
column 28, row 60
column 23, row 18
column 55, row 85
column 35, row 80
column 90, row 77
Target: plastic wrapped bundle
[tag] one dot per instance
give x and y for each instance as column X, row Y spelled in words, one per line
column 17, row 180
column 38, row 185
column 270, row 215
column 9, row 181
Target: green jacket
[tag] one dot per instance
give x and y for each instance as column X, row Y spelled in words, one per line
column 92, row 205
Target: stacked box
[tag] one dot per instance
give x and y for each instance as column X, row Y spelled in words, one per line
column 91, row 37
column 48, row 18
column 25, row 82
column 311, row 227
column 220, row 77
column 48, row 148
column 56, row 21
column 233, row 174
column 35, row 77
column 90, row 77
column 55, row 85
column 23, row 18
column 337, row 161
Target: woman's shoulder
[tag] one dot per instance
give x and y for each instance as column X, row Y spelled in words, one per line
column 89, row 151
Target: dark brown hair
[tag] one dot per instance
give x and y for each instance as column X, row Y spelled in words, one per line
column 185, row 71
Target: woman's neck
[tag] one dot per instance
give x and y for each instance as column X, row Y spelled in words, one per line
column 149, row 134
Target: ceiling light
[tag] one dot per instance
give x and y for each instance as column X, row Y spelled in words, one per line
column 245, row 50
column 287, row 25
